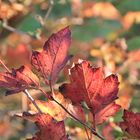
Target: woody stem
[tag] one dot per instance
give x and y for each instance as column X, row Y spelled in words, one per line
column 6, row 68
column 84, row 124
column 32, row 100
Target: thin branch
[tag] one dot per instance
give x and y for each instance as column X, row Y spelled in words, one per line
column 51, row 3
column 6, row 68
column 12, row 29
column 45, row 94
column 87, row 133
column 84, row 124
column 91, row 129
column 32, row 100
column 43, row 20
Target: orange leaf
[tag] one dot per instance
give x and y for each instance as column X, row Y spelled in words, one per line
column 56, row 111
column 101, row 9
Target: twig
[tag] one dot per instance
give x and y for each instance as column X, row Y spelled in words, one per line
column 51, row 3
column 87, row 133
column 32, row 100
column 6, row 68
column 12, row 29
column 91, row 129
column 43, row 20
column 84, row 124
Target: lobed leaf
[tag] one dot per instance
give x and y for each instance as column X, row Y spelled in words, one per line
column 88, row 84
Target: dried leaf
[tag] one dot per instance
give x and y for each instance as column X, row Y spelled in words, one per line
column 89, row 85
column 56, row 111
column 53, row 58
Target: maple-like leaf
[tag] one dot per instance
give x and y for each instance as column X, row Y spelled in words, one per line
column 18, row 79
column 49, row 129
column 131, row 123
column 88, row 84
column 56, row 111
column 54, row 56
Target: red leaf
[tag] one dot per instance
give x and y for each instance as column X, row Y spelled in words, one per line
column 89, row 85
column 49, row 129
column 18, row 79
column 108, row 111
column 131, row 123
column 107, row 132
column 53, row 58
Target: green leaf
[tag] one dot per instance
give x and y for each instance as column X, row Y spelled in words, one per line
column 129, row 5
column 134, row 43
column 60, row 10
column 29, row 24
column 93, row 28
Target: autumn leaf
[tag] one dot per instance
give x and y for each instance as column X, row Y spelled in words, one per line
column 49, row 129
column 100, row 9
column 107, row 132
column 131, row 124
column 130, row 18
column 20, row 53
column 109, row 110
column 53, row 58
column 88, row 84
column 56, row 111
column 18, row 80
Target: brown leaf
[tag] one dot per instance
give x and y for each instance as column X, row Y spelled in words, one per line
column 88, row 84
column 131, row 123
column 18, row 80
column 53, row 58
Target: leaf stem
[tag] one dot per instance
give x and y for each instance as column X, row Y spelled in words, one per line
column 32, row 100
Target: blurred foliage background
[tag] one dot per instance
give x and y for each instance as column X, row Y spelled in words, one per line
column 106, row 32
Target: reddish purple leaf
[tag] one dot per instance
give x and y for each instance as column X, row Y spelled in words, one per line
column 18, row 80
column 53, row 58
column 131, row 123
